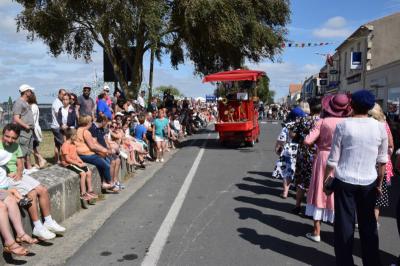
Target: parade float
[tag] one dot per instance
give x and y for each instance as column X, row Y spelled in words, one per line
column 237, row 120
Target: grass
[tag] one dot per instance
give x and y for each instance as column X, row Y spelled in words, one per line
column 46, row 147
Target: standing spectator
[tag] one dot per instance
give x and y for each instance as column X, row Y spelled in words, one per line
column 86, row 103
column 55, row 127
column 383, row 200
column 23, row 117
column 37, row 132
column 102, row 107
column 359, row 143
column 319, row 205
column 106, row 98
column 168, row 100
column 140, row 99
column 26, row 185
column 116, row 97
column 160, row 134
column 75, row 104
column 66, row 116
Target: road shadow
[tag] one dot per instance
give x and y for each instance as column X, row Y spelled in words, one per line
column 264, row 174
column 264, row 182
column 266, row 203
column 261, row 190
column 308, row 255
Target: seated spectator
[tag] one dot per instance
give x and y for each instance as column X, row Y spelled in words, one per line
column 90, row 151
column 26, row 185
column 71, row 160
column 9, row 199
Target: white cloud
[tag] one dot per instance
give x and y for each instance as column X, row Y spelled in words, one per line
column 282, row 74
column 335, row 27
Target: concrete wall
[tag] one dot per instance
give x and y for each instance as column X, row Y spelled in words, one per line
column 64, row 191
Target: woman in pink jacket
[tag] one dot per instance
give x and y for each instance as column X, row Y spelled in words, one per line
column 320, row 206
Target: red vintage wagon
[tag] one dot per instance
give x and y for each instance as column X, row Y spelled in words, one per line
column 238, row 116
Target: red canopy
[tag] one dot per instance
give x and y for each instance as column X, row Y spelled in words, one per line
column 234, row 75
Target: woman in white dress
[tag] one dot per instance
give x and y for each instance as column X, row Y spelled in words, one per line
column 39, row 160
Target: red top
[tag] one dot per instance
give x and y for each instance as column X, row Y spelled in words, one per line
column 234, row 75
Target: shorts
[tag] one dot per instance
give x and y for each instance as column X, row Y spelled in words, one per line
column 25, row 185
column 77, row 169
column 26, row 142
column 58, row 137
column 159, row 139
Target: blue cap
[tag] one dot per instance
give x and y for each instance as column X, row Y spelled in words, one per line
column 363, row 98
column 295, row 113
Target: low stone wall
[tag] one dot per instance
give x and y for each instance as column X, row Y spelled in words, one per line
column 64, row 191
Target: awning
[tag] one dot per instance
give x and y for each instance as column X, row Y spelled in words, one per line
column 235, row 75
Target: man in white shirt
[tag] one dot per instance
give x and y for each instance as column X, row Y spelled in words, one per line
column 359, row 144
column 55, row 127
column 140, row 99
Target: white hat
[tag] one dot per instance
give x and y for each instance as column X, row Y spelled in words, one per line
column 106, row 88
column 25, row 87
column 119, row 114
column 5, row 156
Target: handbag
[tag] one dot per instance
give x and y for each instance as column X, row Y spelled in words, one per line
column 329, row 185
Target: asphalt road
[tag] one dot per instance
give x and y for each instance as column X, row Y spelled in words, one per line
column 231, row 215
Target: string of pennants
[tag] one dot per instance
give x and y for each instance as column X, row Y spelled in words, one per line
column 304, row 44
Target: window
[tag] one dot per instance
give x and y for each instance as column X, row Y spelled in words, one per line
column 393, row 103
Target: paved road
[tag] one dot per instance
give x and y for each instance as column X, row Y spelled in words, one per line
column 232, row 215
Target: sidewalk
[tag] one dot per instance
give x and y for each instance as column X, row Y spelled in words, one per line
column 84, row 224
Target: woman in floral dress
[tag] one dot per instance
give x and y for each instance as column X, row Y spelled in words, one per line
column 287, row 151
column 305, row 153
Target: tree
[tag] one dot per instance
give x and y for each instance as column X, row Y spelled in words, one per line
column 214, row 35
column 264, row 93
column 171, row 89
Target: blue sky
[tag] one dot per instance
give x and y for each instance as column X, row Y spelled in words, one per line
column 311, row 21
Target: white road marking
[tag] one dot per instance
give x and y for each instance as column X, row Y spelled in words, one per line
column 263, row 122
column 159, row 241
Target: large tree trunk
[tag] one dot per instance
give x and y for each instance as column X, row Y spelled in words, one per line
column 116, row 66
column 137, row 71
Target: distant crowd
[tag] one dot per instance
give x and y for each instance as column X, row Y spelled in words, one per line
column 103, row 131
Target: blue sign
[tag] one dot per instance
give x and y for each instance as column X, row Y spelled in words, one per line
column 210, row 98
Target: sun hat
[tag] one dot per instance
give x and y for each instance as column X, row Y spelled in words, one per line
column 25, row 87
column 363, row 98
column 337, row 105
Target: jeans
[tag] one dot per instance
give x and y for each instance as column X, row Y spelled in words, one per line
column 349, row 200
column 101, row 164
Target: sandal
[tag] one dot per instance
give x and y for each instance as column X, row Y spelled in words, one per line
column 93, row 195
column 13, row 249
column 85, row 196
column 26, row 239
column 107, row 186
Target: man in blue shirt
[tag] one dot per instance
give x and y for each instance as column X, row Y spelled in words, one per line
column 102, row 107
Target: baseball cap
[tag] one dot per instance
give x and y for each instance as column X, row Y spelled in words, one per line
column 25, row 87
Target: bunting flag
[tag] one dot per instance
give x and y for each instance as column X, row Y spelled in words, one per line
column 303, row 44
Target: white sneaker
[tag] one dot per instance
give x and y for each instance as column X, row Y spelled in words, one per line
column 30, row 171
column 313, row 237
column 158, row 160
column 43, row 233
column 54, row 227
column 162, row 160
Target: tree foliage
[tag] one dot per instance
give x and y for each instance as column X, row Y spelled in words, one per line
column 214, row 35
column 264, row 93
column 160, row 90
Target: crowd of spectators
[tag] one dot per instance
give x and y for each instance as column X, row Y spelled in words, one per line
column 104, row 131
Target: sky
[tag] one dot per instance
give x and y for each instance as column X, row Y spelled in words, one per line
column 26, row 62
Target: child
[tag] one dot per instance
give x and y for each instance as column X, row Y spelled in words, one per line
column 71, row 160
column 114, row 144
